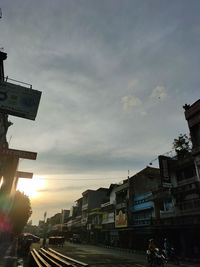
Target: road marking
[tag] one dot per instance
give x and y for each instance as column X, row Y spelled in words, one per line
column 139, row 265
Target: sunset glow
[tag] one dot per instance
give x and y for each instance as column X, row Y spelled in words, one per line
column 31, row 187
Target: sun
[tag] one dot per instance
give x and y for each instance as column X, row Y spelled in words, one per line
column 31, row 187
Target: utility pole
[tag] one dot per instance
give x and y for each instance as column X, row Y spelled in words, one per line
column 5, row 169
column 8, row 165
column 4, row 123
column 12, row 96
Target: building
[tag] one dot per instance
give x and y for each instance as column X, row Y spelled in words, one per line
column 181, row 176
column 183, row 227
column 64, row 215
column 74, row 219
column 192, row 115
column 94, row 226
column 145, row 207
column 109, row 233
column 91, row 199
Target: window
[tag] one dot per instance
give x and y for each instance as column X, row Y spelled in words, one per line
column 186, row 173
column 189, row 172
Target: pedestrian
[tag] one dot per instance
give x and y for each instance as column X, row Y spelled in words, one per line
column 27, row 245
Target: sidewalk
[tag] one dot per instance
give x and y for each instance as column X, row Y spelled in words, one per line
column 8, row 256
column 183, row 262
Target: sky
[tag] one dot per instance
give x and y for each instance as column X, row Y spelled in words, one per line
column 114, row 75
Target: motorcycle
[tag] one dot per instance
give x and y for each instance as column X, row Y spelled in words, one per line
column 171, row 256
column 156, row 257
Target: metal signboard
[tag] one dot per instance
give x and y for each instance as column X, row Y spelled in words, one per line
column 28, row 175
column 19, row 101
column 18, row 153
column 164, row 170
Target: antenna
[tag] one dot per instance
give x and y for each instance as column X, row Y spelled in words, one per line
column 1, row 48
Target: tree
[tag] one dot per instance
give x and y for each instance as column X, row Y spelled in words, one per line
column 20, row 212
column 182, row 146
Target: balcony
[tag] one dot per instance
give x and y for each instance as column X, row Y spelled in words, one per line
column 196, row 150
column 187, row 181
column 141, row 222
column 85, row 206
column 188, row 207
column 121, row 205
column 143, row 206
column 167, row 214
column 84, row 221
column 105, row 204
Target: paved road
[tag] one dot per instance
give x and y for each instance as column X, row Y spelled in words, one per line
column 103, row 257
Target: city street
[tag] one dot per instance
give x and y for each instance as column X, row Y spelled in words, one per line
column 101, row 257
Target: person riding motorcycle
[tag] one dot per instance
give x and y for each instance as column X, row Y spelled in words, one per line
column 167, row 246
column 154, row 254
column 170, row 252
column 152, row 245
column 151, row 248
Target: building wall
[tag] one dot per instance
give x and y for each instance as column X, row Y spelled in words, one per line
column 96, row 198
column 142, row 209
column 145, row 181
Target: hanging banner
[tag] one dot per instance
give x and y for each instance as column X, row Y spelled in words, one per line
column 19, row 101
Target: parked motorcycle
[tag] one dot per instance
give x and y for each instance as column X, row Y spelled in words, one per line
column 156, row 257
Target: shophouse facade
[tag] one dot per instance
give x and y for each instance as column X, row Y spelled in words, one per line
column 92, row 199
column 192, row 115
column 73, row 223
column 144, row 206
column 109, row 232
column 183, row 228
column 181, row 176
column 122, row 218
column 94, row 226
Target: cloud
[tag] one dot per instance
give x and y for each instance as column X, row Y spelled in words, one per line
column 132, row 83
column 130, row 102
column 159, row 92
column 143, row 113
column 86, row 67
column 60, row 189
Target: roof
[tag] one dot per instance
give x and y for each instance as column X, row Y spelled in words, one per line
column 148, row 170
column 102, row 189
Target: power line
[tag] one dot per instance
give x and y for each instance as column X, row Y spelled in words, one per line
column 75, row 179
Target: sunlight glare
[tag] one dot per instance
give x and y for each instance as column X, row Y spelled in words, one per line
column 30, row 187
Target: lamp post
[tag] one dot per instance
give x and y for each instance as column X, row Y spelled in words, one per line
column 44, row 239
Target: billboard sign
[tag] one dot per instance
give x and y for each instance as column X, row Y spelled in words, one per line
column 19, row 101
column 121, row 219
column 108, row 217
column 18, row 153
column 164, row 170
column 28, row 175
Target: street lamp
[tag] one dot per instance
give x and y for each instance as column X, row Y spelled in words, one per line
column 44, row 239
